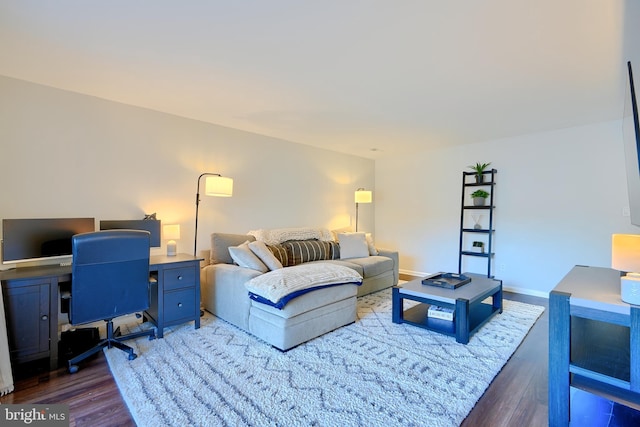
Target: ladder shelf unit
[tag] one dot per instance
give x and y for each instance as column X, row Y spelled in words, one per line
column 468, row 211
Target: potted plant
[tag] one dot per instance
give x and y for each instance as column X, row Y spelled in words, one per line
column 478, row 247
column 479, row 197
column 478, row 168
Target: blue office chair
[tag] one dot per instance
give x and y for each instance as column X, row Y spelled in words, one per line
column 110, row 278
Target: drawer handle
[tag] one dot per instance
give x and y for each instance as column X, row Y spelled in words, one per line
column 44, row 317
column 179, row 304
column 179, row 277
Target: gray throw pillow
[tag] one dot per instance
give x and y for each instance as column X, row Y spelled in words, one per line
column 353, row 245
column 243, row 256
column 220, row 243
column 262, row 251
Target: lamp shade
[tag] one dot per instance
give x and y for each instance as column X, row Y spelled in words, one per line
column 220, row 186
column 625, row 252
column 363, row 196
column 625, row 256
column 171, row 231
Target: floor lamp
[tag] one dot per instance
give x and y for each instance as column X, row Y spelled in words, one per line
column 362, row 196
column 214, row 185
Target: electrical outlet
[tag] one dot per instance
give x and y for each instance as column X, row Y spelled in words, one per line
column 502, row 268
column 626, row 211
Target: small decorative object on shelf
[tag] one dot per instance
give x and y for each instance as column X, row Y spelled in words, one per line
column 479, row 197
column 446, row 280
column 442, row 313
column 479, row 169
column 476, row 221
column 478, row 247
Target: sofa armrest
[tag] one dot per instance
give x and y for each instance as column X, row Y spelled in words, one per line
column 396, row 262
column 205, row 254
column 223, row 292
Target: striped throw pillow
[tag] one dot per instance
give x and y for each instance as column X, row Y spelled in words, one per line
column 280, row 253
column 300, row 251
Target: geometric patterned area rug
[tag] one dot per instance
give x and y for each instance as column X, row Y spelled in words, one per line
column 372, row 372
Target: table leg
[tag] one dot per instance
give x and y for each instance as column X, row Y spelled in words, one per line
column 497, row 301
column 396, row 305
column 559, row 352
column 462, row 321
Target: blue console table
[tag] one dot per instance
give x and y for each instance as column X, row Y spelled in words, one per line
column 594, row 341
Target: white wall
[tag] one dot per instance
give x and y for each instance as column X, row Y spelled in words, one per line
column 65, row 154
column 577, row 175
column 559, row 197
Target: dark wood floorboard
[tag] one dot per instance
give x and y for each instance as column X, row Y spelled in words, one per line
column 518, row 394
column 516, row 397
column 91, row 393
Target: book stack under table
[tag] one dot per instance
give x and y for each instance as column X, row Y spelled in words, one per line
column 443, row 313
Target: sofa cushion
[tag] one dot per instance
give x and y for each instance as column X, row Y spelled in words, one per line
column 220, row 243
column 353, row 245
column 266, row 256
column 244, row 257
column 373, row 265
column 301, row 251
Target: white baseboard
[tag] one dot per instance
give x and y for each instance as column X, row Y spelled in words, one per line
column 413, row 273
column 529, row 292
column 523, row 291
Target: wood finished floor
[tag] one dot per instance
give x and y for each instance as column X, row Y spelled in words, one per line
column 516, row 397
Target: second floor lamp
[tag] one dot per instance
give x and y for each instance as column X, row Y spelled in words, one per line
column 214, row 185
column 361, row 196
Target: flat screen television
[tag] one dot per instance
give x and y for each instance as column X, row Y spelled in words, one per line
column 150, row 225
column 40, row 239
column 631, row 136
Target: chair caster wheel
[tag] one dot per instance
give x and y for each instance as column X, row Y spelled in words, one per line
column 132, row 356
column 73, row 369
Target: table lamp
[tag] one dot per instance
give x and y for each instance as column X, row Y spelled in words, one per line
column 361, row 196
column 625, row 256
column 172, row 233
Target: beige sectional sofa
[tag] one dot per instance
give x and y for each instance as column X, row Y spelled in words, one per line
column 225, row 294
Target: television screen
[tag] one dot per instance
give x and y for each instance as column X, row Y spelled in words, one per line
column 150, row 225
column 631, row 135
column 40, row 238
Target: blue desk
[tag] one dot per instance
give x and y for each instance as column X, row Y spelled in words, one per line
column 32, row 303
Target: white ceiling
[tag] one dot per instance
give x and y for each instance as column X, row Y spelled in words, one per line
column 348, row 75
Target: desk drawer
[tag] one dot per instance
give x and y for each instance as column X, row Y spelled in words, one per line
column 176, row 278
column 179, row 305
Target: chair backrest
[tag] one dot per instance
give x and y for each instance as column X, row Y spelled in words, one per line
column 110, row 274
